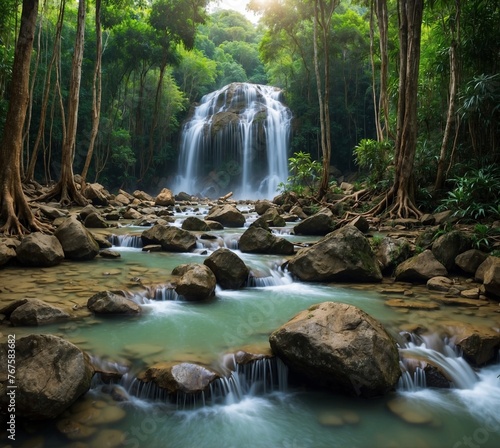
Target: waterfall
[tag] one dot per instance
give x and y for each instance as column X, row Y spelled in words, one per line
column 237, row 140
column 421, row 351
column 132, row 241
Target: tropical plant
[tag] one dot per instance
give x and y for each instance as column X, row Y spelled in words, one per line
column 374, row 157
column 475, row 194
column 304, row 174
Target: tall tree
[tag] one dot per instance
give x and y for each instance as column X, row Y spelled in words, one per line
column 323, row 11
column 399, row 201
column 96, row 91
column 453, row 24
column 15, row 213
column 66, row 189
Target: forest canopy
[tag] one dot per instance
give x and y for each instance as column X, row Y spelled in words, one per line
column 156, row 58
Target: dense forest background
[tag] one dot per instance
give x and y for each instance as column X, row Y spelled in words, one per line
column 159, row 57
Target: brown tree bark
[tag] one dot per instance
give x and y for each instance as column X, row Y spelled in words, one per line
column 399, row 201
column 323, row 11
column 30, row 172
column 452, row 101
column 96, row 92
column 15, row 214
column 66, row 189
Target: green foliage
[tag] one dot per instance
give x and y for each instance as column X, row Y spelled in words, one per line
column 483, row 236
column 374, row 157
column 475, row 195
column 304, row 174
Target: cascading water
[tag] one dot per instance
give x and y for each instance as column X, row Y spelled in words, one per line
column 237, row 140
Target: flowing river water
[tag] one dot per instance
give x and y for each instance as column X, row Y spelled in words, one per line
column 248, row 410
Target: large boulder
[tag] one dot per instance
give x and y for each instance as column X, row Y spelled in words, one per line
column 273, row 217
column 448, row 246
column 229, row 269
column 34, row 312
column 77, row 242
column 197, row 282
column 258, row 240
column 479, row 343
column 94, row 220
column 391, row 252
column 340, row 347
column 111, row 303
column 420, row 268
column 470, row 260
column 40, row 250
column 51, row 374
column 184, row 378
column 320, row 223
column 491, row 280
column 165, row 198
column 192, row 223
column 171, row 238
column 96, row 194
column 7, row 250
column 228, row 215
column 342, row 255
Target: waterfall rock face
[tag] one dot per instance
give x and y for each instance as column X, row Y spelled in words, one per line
column 340, row 347
column 236, row 140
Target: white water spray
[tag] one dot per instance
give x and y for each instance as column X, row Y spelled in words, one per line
column 237, row 140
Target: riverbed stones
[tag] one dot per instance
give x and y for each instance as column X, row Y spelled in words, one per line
column 227, row 215
column 7, row 250
column 230, row 270
column 491, row 279
column 319, row 224
column 258, row 240
column 96, row 194
column 77, row 242
column 392, row 251
column 95, row 220
column 439, row 283
column 420, row 268
column 342, row 255
column 174, row 378
column 51, row 374
column 112, row 303
column 165, row 198
column 193, row 223
column 40, row 250
column 448, row 246
column 172, row 239
column 34, row 312
column 196, row 283
column 340, row 347
column 470, row 260
column 479, row 343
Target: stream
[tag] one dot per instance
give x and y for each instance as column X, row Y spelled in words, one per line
column 248, row 410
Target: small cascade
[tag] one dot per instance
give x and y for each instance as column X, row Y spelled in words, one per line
column 261, row 376
column 157, row 293
column 420, row 351
column 258, row 377
column 237, row 140
column 130, row 241
column 264, row 275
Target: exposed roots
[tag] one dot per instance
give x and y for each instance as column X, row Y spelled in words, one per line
column 22, row 222
column 394, row 206
column 66, row 192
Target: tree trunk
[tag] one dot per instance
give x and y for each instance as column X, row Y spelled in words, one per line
column 452, row 102
column 399, row 201
column 383, row 26
column 15, row 214
column 30, row 172
column 66, row 188
column 323, row 11
column 96, row 92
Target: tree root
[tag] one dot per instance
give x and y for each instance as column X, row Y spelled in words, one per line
column 67, row 194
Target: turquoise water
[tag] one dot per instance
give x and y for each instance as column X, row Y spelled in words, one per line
column 173, row 330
